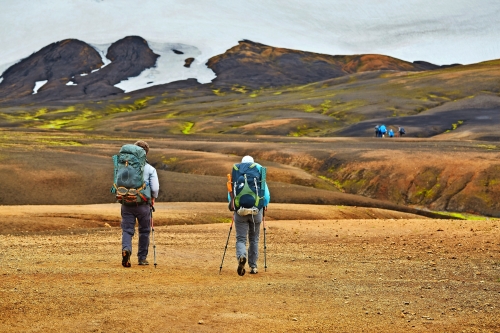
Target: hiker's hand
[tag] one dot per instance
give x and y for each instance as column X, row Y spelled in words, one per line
column 152, row 201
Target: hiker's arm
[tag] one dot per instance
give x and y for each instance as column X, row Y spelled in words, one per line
column 267, row 196
column 153, row 183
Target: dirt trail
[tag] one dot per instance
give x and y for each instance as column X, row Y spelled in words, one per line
column 325, row 275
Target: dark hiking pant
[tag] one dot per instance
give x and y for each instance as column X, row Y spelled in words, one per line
column 142, row 214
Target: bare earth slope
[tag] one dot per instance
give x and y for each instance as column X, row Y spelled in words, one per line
column 333, row 275
column 409, row 175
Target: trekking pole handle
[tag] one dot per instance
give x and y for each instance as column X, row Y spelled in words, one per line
column 229, row 183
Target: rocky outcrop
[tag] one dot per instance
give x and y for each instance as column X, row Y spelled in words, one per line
column 75, row 71
column 55, row 63
column 78, row 64
column 424, row 65
column 257, row 65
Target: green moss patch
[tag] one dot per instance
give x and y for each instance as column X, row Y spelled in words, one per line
column 188, row 126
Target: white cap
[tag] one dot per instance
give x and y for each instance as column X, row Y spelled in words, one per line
column 247, row 159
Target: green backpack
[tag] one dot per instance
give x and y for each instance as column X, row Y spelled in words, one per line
column 129, row 185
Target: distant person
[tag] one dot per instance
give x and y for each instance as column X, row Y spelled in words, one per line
column 377, row 131
column 401, row 131
column 383, row 130
column 249, row 198
column 391, row 133
column 137, row 200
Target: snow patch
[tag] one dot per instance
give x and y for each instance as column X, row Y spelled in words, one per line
column 170, row 67
column 1, row 79
column 102, row 49
column 71, row 83
column 38, row 85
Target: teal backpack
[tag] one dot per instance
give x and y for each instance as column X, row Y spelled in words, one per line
column 128, row 184
column 248, row 185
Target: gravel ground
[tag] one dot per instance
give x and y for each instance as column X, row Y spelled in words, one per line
column 337, row 275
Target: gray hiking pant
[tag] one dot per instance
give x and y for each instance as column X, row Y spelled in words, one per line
column 248, row 226
column 143, row 215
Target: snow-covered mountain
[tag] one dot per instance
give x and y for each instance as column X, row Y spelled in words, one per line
column 74, row 70
column 448, row 31
column 442, row 32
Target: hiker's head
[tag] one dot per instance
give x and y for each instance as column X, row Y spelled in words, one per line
column 247, row 159
column 143, row 144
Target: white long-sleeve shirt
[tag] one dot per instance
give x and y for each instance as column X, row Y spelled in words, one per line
column 151, row 178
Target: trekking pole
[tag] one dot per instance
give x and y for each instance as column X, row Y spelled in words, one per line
column 153, row 234
column 231, row 194
column 263, row 176
column 227, row 242
column 265, row 245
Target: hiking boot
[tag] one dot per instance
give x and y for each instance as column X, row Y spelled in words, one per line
column 143, row 262
column 241, row 265
column 126, row 258
column 254, row 270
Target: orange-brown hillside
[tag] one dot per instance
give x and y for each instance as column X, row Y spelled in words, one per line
column 255, row 65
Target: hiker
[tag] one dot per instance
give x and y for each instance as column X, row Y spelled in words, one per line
column 137, row 202
column 377, row 131
column 249, row 199
column 382, row 130
column 401, row 131
column 391, row 133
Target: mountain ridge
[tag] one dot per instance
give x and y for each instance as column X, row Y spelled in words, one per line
column 73, row 69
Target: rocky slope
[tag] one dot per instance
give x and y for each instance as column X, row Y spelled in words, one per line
column 74, row 70
column 258, row 65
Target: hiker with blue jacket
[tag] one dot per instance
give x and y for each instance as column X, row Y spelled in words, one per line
column 137, row 199
column 249, row 199
column 383, row 130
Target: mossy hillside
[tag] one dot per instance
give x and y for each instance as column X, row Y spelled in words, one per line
column 75, row 117
column 485, row 185
column 426, row 186
column 344, row 101
column 41, row 140
column 465, row 216
column 436, row 188
column 356, row 181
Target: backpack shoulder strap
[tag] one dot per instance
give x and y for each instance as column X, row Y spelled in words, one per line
column 263, row 172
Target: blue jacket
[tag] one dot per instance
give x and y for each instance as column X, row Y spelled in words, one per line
column 267, row 194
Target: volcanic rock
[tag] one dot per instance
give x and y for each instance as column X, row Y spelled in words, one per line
column 74, row 70
column 257, row 65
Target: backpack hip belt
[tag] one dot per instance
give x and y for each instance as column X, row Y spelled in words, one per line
column 129, row 194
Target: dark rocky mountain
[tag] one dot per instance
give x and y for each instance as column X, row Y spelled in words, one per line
column 74, row 61
column 258, row 65
column 57, row 63
column 424, row 65
column 75, row 71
